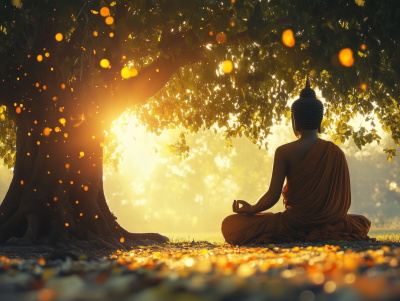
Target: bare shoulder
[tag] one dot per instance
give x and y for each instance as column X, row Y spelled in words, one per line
column 285, row 149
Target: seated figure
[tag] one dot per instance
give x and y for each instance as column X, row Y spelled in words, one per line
column 316, row 195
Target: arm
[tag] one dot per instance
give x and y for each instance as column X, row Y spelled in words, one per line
column 271, row 197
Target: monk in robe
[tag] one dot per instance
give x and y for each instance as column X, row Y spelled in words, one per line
column 317, row 193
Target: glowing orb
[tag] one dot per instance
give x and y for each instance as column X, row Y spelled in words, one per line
column 62, row 120
column 57, row 129
column 221, row 38
column 125, row 73
column 46, row 131
column 288, row 38
column 104, row 63
column 55, row 199
column 211, row 33
column 39, row 58
column 18, row 110
column 363, row 47
column 54, row 98
column 67, row 165
column 37, row 85
column 363, row 86
column 346, row 57
column 86, row 189
column 133, row 72
column 59, row 37
column 227, row 66
column 63, row 86
column 111, row 34
column 47, row 54
column 95, row 33
column 122, row 240
column 66, row 224
column 232, row 24
column 81, row 154
column 104, row 11
column 66, row 135
column 109, row 20
column 22, row 182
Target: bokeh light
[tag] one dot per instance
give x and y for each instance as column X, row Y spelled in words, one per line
column 221, row 38
column 111, row 34
column 109, row 20
column 288, row 38
column 133, row 72
column 18, row 110
column 363, row 86
column 104, row 11
column 95, row 33
column 39, row 58
column 104, row 63
column 346, row 57
column 227, row 66
column 125, row 73
column 363, row 47
column 63, row 86
column 46, row 131
column 62, row 120
column 59, row 37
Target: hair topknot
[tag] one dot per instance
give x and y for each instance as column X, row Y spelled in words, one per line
column 308, row 111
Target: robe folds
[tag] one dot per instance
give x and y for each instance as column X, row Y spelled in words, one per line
column 316, row 197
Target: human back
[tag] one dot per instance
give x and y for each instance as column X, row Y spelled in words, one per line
column 317, row 193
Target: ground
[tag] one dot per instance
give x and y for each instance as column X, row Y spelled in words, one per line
column 202, row 270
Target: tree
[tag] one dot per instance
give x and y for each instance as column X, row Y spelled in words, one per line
column 69, row 68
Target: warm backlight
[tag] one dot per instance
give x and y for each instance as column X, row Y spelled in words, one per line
column 346, row 57
column 288, row 38
column 227, row 66
column 104, row 63
column 59, row 37
column 125, row 73
column 104, row 11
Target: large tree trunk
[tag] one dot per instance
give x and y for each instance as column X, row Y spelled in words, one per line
column 56, row 196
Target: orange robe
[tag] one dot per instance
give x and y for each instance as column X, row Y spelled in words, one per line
column 316, row 196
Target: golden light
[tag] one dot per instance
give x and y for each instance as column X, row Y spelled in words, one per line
column 363, row 86
column 81, row 154
column 95, row 33
column 39, row 58
column 96, row 216
column 72, row 182
column 66, row 224
column 288, row 38
column 157, row 70
column 125, row 73
column 67, row 166
column 66, row 135
column 93, row 137
column 47, row 54
column 124, row 57
column 122, row 240
column 61, row 109
column 133, row 72
column 38, row 143
column 363, row 47
column 232, row 24
column 104, row 11
column 221, row 38
column 55, row 199
column 111, row 34
column 86, row 188
column 101, row 144
column 28, row 154
column 233, row 1
column 22, row 182
column 80, row 214
column 46, row 131
column 62, row 120
column 57, row 129
column 37, row 85
column 227, row 66
column 35, row 121
column 54, row 98
column 104, row 63
column 109, row 20
column 63, row 86
column 18, row 110
column 59, row 37
column 77, row 202
column 211, row 33
column 44, row 87
column 346, row 57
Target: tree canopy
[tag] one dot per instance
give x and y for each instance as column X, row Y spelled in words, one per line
column 227, row 63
